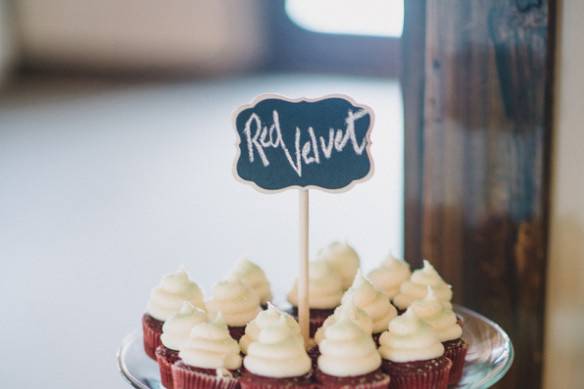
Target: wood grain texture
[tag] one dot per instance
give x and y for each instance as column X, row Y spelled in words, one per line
column 483, row 160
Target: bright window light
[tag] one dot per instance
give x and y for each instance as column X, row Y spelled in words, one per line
column 356, row 17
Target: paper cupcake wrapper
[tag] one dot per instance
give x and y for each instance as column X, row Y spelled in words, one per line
column 374, row 380
column 165, row 362
column 435, row 377
column 251, row 381
column 151, row 337
column 456, row 352
column 189, row 379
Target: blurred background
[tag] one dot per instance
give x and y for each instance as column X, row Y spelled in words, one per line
column 116, row 147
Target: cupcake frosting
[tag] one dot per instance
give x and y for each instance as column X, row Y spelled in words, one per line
column 389, row 276
column 377, row 306
column 277, row 353
column 177, row 328
column 210, row 346
column 415, row 288
column 325, row 287
column 438, row 316
column 254, row 277
column 346, row 350
column 264, row 319
column 237, row 303
column 343, row 259
column 166, row 299
column 350, row 310
column 409, row 339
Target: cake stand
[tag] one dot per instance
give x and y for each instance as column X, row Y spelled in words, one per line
column 489, row 357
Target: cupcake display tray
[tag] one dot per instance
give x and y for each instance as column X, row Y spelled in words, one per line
column 489, row 356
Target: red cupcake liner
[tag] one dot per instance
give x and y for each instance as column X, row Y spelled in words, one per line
column 430, row 374
column 374, row 380
column 166, row 358
column 249, row 380
column 151, row 329
column 455, row 350
column 188, row 377
column 236, row 332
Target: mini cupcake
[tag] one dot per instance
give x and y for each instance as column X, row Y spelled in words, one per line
column 415, row 288
column 375, row 304
column 413, row 355
column 210, row 358
column 444, row 323
column 237, row 303
column 349, row 358
column 254, row 277
column 343, row 259
column 325, row 291
column 389, row 275
column 165, row 301
column 264, row 319
column 277, row 359
column 175, row 332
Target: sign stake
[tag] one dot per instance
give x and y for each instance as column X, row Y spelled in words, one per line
column 303, row 307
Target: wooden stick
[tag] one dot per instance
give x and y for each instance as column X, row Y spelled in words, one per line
column 303, row 308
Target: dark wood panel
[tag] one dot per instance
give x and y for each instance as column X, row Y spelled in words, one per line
column 477, row 120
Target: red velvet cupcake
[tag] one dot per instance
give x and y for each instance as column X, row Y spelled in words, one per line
column 254, row 277
column 237, row 303
column 338, row 369
column 175, row 332
column 343, row 259
column 166, row 300
column 325, row 291
column 413, row 355
column 277, row 359
column 210, row 358
column 444, row 322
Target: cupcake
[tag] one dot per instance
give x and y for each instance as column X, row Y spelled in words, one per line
column 373, row 302
column 237, row 303
column 175, row 332
column 349, row 358
column 389, row 275
column 343, row 259
column 165, row 301
column 277, row 359
column 443, row 321
column 413, row 356
column 264, row 319
column 415, row 288
column 210, row 358
column 325, row 291
column 254, row 277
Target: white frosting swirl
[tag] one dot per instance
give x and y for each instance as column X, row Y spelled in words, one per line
column 254, row 277
column 347, row 351
column 210, row 346
column 264, row 319
column 415, row 288
column 436, row 314
column 364, row 295
column 278, row 352
column 237, row 303
column 325, row 287
column 409, row 339
column 343, row 259
column 350, row 310
column 176, row 330
column 389, row 276
column 166, row 299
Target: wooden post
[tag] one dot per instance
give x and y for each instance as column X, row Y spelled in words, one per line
column 303, row 308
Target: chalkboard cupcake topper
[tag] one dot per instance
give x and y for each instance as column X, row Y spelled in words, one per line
column 303, row 143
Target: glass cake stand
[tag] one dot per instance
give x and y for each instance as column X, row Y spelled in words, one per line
column 489, row 357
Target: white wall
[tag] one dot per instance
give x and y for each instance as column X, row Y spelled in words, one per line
column 564, row 343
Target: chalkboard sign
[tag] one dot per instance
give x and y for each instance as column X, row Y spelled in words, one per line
column 305, row 143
